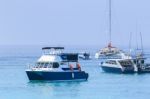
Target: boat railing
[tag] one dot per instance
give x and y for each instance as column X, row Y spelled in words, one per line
column 29, row 66
column 111, row 57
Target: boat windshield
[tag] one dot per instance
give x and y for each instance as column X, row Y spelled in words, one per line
column 47, row 65
column 111, row 62
column 126, row 63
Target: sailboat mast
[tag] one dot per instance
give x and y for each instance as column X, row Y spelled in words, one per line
column 141, row 41
column 110, row 21
column 130, row 43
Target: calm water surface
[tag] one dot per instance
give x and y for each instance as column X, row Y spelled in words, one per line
column 14, row 83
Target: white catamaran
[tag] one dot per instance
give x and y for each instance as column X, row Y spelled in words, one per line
column 111, row 52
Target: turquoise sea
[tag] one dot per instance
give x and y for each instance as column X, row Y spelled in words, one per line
column 14, row 83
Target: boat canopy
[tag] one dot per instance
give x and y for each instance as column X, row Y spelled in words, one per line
column 52, row 50
column 69, row 57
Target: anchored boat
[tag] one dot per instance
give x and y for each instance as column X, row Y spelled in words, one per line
column 134, row 65
column 111, row 52
column 119, row 66
column 84, row 56
column 56, row 65
column 141, row 65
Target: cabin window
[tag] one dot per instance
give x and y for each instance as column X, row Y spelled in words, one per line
column 38, row 64
column 126, row 63
column 45, row 65
column 142, row 61
column 111, row 62
column 42, row 65
column 55, row 65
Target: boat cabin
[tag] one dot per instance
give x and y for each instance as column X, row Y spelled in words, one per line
column 53, row 59
column 119, row 62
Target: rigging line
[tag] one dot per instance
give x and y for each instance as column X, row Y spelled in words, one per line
column 110, row 28
column 141, row 41
column 130, row 42
column 137, row 47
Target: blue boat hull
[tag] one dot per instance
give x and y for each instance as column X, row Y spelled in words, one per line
column 115, row 70
column 52, row 76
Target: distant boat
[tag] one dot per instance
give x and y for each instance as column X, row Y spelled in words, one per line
column 111, row 52
column 55, row 65
column 84, row 56
column 136, row 65
column 139, row 59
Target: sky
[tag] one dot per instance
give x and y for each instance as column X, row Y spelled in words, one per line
column 73, row 22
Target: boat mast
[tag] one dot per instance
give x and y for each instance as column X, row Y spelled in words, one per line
column 110, row 22
column 137, row 46
column 141, row 42
column 130, row 43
